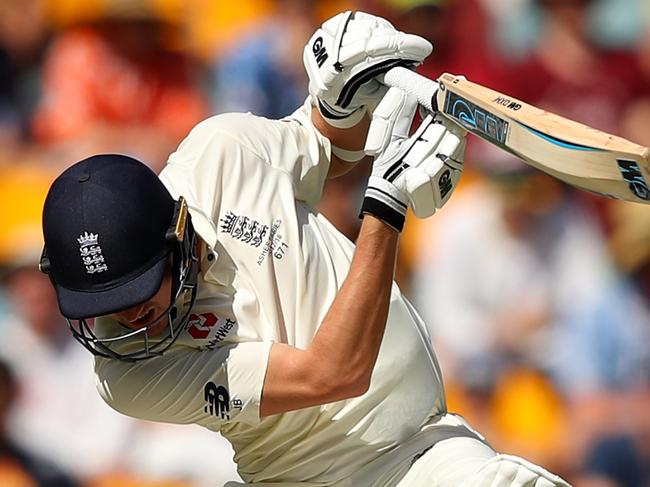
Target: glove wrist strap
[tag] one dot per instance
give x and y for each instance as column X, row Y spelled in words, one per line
column 386, row 202
column 339, row 118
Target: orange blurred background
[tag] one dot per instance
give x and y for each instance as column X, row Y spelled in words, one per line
column 537, row 295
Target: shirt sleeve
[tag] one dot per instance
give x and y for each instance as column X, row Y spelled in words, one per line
column 185, row 385
column 291, row 145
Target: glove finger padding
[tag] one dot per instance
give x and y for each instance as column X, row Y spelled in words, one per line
column 442, row 163
column 430, row 181
column 391, row 120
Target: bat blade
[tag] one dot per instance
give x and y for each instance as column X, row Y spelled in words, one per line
column 572, row 152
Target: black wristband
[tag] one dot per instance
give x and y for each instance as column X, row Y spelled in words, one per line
column 384, row 212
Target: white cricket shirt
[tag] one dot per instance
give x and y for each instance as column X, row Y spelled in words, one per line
column 270, row 271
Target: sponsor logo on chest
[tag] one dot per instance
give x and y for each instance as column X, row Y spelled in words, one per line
column 209, row 327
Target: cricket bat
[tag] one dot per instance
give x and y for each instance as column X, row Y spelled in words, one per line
column 572, row 152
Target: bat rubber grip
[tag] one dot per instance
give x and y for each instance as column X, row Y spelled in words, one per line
column 414, row 84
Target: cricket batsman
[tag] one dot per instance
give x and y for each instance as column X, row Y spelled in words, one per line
column 220, row 297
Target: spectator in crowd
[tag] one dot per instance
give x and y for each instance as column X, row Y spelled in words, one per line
column 115, row 83
column 19, row 467
column 643, row 50
column 604, row 348
column 468, row 50
column 54, row 415
column 569, row 73
column 259, row 73
column 495, row 276
column 23, row 33
column 491, row 282
column 603, row 365
column 614, row 461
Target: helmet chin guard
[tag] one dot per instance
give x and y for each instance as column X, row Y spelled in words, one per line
column 134, row 345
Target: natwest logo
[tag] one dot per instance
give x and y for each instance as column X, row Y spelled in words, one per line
column 200, row 325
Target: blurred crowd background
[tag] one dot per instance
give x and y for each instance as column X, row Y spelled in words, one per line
column 537, row 295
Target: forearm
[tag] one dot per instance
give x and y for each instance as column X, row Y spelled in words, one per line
column 350, row 139
column 351, row 333
column 339, row 362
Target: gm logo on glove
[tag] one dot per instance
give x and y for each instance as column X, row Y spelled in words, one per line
column 319, row 51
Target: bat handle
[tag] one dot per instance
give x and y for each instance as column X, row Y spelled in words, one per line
column 414, row 84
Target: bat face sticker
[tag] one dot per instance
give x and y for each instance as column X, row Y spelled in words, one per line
column 476, row 119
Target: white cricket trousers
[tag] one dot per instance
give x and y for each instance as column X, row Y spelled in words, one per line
column 447, row 454
column 465, row 462
column 469, row 462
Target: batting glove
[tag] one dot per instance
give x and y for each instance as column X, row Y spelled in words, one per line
column 344, row 57
column 420, row 171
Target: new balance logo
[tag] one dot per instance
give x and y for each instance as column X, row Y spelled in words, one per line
column 217, row 400
column 319, row 51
